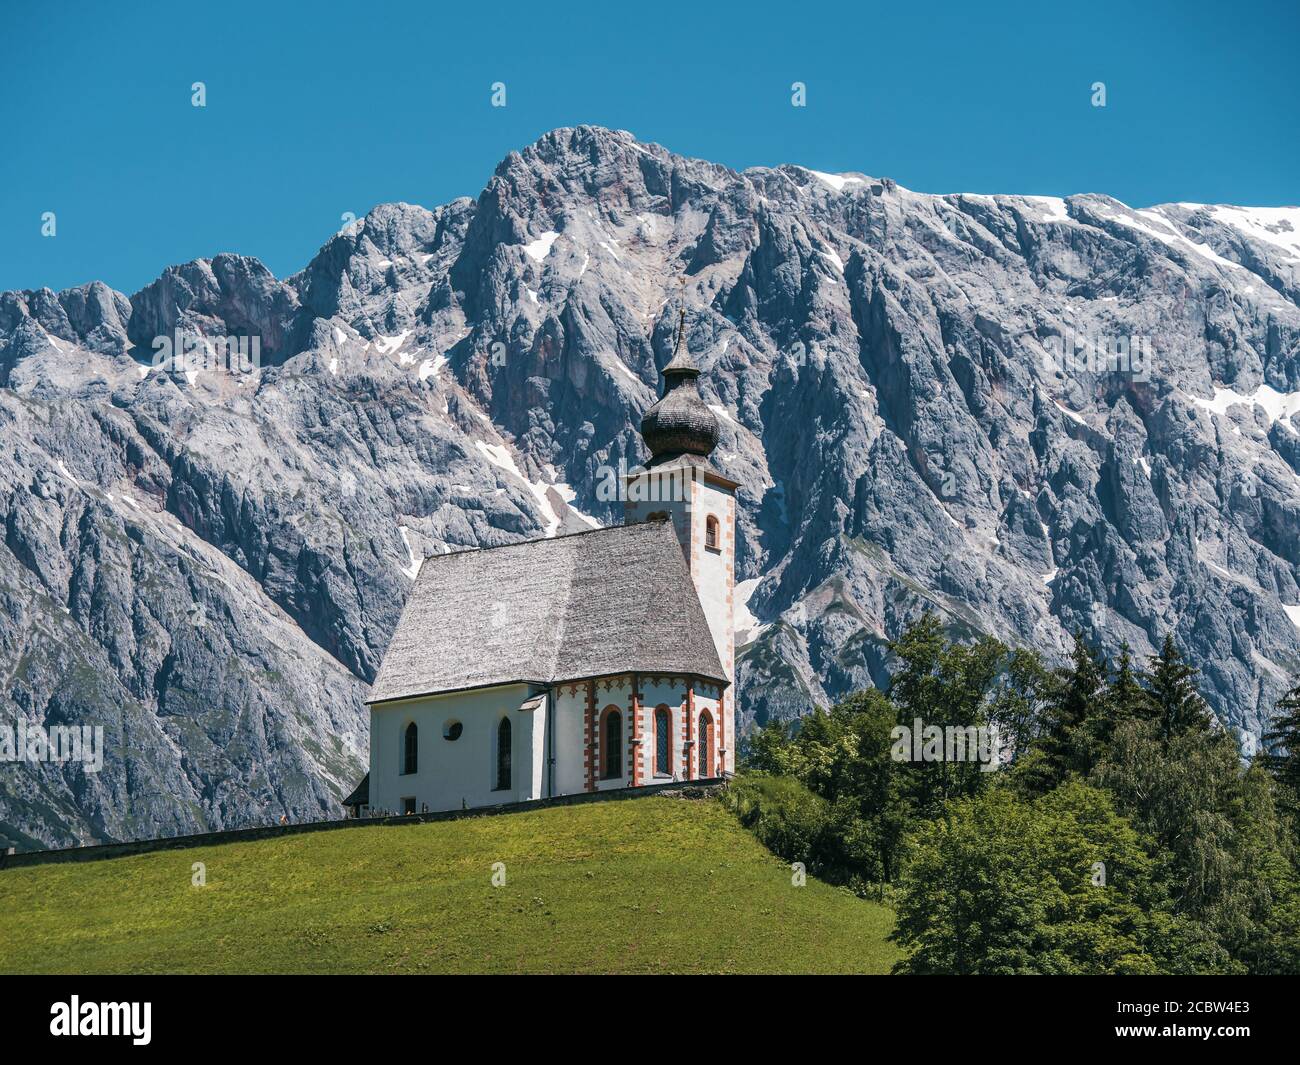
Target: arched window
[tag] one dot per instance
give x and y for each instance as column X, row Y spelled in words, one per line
column 706, row 745
column 611, row 748
column 711, row 540
column 663, row 741
column 503, row 755
column 410, row 749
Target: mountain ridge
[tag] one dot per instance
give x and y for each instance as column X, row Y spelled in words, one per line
column 434, row 379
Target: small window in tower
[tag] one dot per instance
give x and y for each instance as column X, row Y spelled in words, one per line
column 711, row 539
column 658, row 515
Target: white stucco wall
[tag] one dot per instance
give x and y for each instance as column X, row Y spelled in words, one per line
column 714, row 574
column 450, row 772
column 570, row 769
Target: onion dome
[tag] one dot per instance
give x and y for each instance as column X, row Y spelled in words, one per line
column 680, row 423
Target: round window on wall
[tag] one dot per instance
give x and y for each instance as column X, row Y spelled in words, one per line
column 452, row 730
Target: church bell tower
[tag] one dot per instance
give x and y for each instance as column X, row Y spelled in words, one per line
column 680, row 484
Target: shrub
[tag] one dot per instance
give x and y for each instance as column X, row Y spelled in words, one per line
column 787, row 818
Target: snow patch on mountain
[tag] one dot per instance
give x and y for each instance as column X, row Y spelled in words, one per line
column 1279, row 226
column 1275, row 404
column 412, row 567
column 839, row 182
column 540, row 248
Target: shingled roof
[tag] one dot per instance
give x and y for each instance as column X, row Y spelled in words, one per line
column 596, row 603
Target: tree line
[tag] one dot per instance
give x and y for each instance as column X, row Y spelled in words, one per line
column 1124, row 832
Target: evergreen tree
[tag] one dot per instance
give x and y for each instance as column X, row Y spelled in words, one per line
column 1281, row 755
column 1066, row 746
column 1126, row 701
column 1123, row 700
column 1173, row 701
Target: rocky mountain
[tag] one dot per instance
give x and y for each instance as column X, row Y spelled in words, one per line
column 1029, row 414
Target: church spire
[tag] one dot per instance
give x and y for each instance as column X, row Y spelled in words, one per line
column 680, row 423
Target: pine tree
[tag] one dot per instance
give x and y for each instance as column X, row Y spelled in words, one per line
column 1126, row 701
column 1281, row 755
column 1123, row 701
column 1172, row 699
column 1079, row 692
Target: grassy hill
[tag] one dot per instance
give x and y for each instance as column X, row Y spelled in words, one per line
column 646, row 885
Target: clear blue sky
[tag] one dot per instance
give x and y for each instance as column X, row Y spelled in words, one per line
column 314, row 109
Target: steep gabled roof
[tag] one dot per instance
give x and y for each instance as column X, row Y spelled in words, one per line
column 596, row 603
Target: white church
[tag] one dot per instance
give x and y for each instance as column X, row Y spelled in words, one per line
column 599, row 660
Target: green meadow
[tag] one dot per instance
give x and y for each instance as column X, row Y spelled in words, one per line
column 652, row 885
